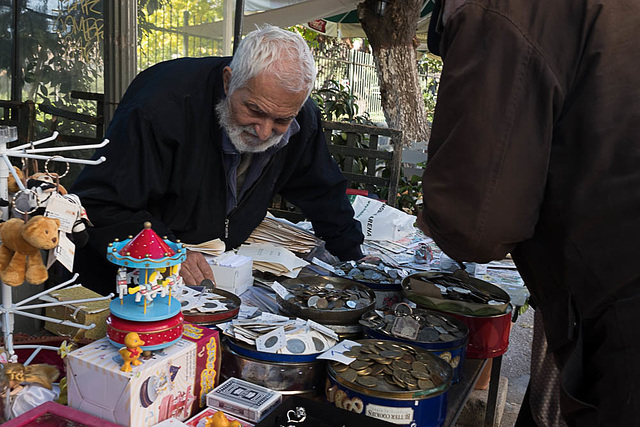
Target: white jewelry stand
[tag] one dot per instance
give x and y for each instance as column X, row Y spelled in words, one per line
column 8, row 309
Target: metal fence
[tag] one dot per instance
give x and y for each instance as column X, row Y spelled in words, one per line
column 352, row 68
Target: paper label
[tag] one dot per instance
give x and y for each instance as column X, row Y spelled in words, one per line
column 390, row 414
column 335, row 352
column 325, row 265
column 323, row 329
column 64, row 210
column 275, row 317
column 246, row 311
column 280, row 290
column 64, row 252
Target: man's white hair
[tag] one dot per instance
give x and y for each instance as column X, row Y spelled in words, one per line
column 279, row 53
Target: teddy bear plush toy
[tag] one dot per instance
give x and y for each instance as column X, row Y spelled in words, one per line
column 20, row 259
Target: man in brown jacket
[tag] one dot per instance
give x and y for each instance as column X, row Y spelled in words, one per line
column 535, row 150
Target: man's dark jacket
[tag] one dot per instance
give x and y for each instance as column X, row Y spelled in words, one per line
column 165, row 165
column 535, row 150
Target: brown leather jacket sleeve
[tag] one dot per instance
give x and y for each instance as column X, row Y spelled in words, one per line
column 489, row 149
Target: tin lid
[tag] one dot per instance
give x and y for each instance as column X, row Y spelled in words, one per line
column 421, row 326
column 393, row 370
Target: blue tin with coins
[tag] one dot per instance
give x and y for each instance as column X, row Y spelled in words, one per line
column 399, row 383
column 440, row 333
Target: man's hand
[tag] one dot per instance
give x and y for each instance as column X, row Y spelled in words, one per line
column 422, row 225
column 195, row 269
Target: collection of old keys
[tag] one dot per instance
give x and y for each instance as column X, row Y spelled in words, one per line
column 406, row 325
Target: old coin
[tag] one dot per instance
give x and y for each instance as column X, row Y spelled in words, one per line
column 419, row 366
column 367, row 381
column 391, row 354
column 339, row 367
column 425, row 384
column 421, row 375
column 365, row 371
column 377, row 369
column 322, row 303
column 349, row 375
column 359, row 365
column 401, row 364
column 408, row 379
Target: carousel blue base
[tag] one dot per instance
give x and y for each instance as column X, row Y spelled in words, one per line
column 159, row 309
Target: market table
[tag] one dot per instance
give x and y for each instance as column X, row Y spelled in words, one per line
column 459, row 393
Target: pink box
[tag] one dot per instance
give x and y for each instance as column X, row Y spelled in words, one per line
column 207, row 361
column 198, row 420
column 51, row 414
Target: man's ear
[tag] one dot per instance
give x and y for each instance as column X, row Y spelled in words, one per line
column 226, row 79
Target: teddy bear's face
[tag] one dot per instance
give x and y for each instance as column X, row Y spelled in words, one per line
column 42, row 232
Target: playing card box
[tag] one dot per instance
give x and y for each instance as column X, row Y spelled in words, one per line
column 243, row 399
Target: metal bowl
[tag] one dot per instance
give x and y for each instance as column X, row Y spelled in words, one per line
column 454, row 306
column 198, row 318
column 327, row 317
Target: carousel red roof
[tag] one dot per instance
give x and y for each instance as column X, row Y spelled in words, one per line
column 147, row 244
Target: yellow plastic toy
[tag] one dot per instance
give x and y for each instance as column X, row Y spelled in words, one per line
column 131, row 352
column 220, row 420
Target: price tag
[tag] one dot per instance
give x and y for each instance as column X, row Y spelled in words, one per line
column 336, row 352
column 64, row 252
column 64, row 210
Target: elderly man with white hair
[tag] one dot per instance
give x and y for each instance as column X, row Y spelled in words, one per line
column 199, row 146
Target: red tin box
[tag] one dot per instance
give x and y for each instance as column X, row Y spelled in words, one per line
column 154, row 334
column 488, row 335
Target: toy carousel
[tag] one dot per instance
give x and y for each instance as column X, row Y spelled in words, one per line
column 147, row 278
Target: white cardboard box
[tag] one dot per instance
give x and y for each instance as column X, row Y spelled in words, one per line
column 235, row 279
column 160, row 388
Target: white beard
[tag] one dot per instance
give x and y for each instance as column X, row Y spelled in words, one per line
column 243, row 138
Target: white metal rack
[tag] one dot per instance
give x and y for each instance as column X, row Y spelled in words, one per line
column 9, row 309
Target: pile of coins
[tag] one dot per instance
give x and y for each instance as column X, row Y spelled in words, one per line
column 329, row 297
column 453, row 288
column 370, row 273
column 432, row 327
column 390, row 367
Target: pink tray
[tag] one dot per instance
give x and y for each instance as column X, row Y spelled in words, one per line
column 52, row 414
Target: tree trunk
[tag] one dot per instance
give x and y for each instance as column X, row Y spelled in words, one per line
column 393, row 39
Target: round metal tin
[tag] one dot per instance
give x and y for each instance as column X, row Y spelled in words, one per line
column 289, row 378
column 326, row 317
column 198, row 318
column 422, row 408
column 156, row 335
column 454, row 306
column 453, row 352
column 488, row 335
